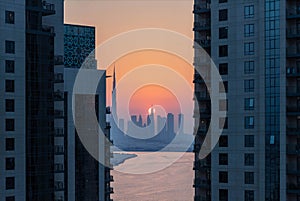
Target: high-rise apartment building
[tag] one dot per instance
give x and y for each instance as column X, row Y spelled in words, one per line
column 35, row 152
column 256, row 48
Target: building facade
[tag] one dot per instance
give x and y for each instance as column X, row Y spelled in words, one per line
column 255, row 46
column 34, row 127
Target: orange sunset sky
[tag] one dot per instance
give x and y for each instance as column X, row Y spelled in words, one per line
column 113, row 17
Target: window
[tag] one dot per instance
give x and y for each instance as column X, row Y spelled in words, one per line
column 223, row 32
column 9, row 47
column 223, row 194
column 223, row 159
column 223, row 68
column 10, row 198
column 223, row 15
column 249, row 48
column 249, row 140
column 249, row 122
column 248, row 67
column 223, row 105
column 9, row 66
column 10, row 183
column 249, row 11
column 249, row 85
column 223, row 51
column 249, row 103
column 10, row 163
column 223, row 87
column 9, row 17
column 249, row 177
column 9, row 86
column 223, row 177
column 223, row 123
column 249, row 195
column 9, row 105
column 223, row 141
column 9, row 124
column 10, row 144
column 248, row 30
column 249, row 159
column 222, row 1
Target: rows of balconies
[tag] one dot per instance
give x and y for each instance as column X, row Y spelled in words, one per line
column 201, row 183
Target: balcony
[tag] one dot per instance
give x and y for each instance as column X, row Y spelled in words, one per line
column 202, row 96
column 109, row 190
column 292, row 170
column 292, row 130
column 201, row 183
column 48, row 30
column 59, row 132
column 200, row 165
column 203, row 26
column 293, row 52
column 108, row 110
column 293, row 13
column 293, row 91
column 293, row 72
column 58, row 77
column 59, row 168
column 107, row 125
column 293, row 188
column 293, row 32
column 58, row 96
column 109, row 178
column 48, row 8
column 293, row 149
column 293, row 111
column 201, row 198
column 59, row 150
column 58, row 60
column 58, row 114
column 204, row 43
column 202, row 7
column 59, row 186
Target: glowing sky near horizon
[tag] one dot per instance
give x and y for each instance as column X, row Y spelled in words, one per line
column 113, row 17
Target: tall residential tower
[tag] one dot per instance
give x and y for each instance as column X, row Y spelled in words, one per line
column 256, row 47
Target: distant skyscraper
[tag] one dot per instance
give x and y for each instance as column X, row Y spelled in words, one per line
column 134, row 119
column 256, row 47
column 114, row 98
column 180, row 123
column 140, row 121
column 170, row 125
